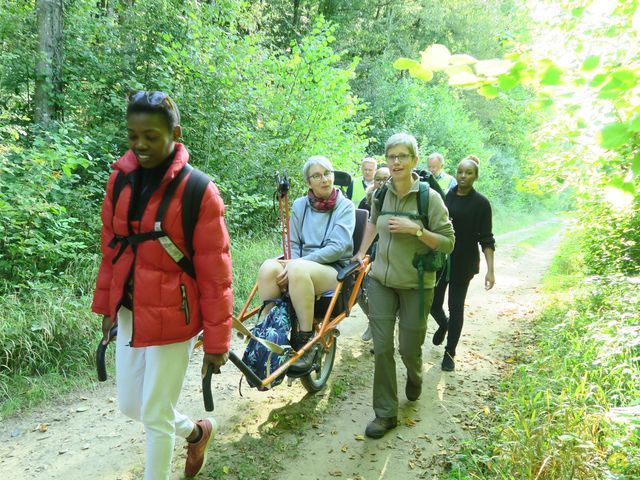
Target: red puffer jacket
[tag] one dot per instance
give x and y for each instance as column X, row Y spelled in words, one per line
column 169, row 306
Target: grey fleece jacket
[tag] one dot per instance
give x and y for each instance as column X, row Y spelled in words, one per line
column 394, row 256
column 325, row 237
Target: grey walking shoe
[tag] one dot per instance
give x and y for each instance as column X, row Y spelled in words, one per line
column 412, row 390
column 366, row 336
column 379, row 426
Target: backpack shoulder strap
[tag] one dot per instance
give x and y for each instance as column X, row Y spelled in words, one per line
column 423, row 203
column 118, row 185
column 174, row 252
column 192, row 195
column 170, row 191
column 378, row 197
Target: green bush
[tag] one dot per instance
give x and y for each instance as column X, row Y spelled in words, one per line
column 567, row 409
column 612, row 237
column 44, row 224
column 247, row 111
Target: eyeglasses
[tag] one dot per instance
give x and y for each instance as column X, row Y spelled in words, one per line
column 152, row 98
column 380, row 179
column 403, row 157
column 319, row 176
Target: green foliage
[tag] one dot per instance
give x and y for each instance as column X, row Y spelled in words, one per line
column 43, row 226
column 47, row 337
column 612, row 238
column 611, row 90
column 248, row 254
column 246, row 111
column 567, row 410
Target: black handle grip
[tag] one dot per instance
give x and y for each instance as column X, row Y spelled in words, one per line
column 252, row 378
column 100, row 353
column 206, row 390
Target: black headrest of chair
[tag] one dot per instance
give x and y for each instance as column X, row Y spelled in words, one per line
column 341, row 179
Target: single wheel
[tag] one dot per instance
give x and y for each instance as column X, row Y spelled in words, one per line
column 317, row 379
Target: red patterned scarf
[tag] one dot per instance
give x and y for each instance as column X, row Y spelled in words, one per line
column 323, row 204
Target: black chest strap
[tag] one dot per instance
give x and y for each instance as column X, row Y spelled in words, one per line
column 134, row 239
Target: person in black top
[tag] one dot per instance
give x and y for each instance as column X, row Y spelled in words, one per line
column 470, row 213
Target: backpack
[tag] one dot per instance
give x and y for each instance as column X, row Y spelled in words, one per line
column 192, row 195
column 274, row 328
column 426, row 176
column 432, row 261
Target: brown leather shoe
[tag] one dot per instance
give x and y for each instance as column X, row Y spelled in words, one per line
column 197, row 452
column 379, row 426
column 412, row 390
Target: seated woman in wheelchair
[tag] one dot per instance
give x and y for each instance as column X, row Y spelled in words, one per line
column 321, row 226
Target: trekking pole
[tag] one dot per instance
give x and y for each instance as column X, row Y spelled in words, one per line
column 283, row 202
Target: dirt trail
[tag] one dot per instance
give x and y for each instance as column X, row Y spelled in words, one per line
column 86, row 437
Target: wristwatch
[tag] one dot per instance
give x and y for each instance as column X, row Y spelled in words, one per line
column 419, row 232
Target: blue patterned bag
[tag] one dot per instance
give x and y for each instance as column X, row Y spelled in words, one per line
column 274, row 328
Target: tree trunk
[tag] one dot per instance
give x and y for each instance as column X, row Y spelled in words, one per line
column 296, row 14
column 49, row 67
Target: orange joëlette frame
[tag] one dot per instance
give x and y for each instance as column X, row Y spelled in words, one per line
column 326, row 326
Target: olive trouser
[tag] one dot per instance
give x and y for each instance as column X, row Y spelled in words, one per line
column 385, row 304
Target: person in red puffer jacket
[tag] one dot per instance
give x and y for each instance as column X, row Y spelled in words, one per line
column 159, row 307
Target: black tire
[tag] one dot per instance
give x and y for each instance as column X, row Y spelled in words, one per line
column 316, row 380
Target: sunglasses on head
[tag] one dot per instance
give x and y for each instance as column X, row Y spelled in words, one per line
column 154, row 98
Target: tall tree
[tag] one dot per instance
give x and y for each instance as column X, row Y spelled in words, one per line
column 49, row 67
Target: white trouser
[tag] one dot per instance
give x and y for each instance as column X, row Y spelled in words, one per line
column 149, row 381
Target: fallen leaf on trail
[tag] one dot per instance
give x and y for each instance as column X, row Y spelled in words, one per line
column 412, row 465
column 509, row 360
column 41, row 427
column 400, row 437
column 360, row 438
column 410, row 422
column 337, row 473
column 225, row 469
column 344, row 448
column 334, row 432
column 82, row 409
